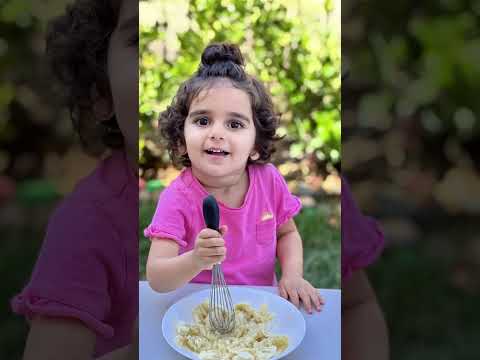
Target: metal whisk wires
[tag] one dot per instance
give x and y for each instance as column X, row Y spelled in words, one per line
column 221, row 312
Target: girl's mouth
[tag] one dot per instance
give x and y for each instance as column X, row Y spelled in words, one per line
column 217, row 152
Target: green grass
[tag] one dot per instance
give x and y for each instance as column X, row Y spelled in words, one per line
column 427, row 315
column 321, row 243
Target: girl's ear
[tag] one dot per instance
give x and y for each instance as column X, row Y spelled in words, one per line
column 102, row 106
column 182, row 149
column 254, row 155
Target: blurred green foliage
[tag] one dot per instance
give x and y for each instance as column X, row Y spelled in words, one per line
column 417, row 71
column 410, row 149
column 30, row 106
column 296, row 54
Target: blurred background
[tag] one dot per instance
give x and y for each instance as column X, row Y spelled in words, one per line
column 40, row 156
column 410, row 148
column 293, row 46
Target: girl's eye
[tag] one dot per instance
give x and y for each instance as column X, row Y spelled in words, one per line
column 234, row 124
column 201, row 121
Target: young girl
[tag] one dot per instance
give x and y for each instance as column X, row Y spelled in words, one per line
column 82, row 298
column 364, row 333
column 221, row 128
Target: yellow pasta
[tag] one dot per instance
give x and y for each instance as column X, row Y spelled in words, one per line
column 250, row 339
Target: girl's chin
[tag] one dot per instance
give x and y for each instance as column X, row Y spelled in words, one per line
column 217, row 169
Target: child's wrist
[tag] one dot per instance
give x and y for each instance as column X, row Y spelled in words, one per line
column 195, row 265
column 289, row 273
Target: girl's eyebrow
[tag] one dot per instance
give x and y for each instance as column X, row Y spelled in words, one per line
column 198, row 112
column 234, row 114
column 241, row 116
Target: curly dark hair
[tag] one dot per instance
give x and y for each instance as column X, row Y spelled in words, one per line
column 220, row 61
column 77, row 49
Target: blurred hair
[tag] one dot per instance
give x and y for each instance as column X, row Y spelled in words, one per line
column 77, row 49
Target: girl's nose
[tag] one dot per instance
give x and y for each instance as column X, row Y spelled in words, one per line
column 216, row 133
column 216, row 137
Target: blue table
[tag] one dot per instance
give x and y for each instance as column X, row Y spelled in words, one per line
column 321, row 342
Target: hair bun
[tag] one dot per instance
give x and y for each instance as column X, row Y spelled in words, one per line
column 224, row 52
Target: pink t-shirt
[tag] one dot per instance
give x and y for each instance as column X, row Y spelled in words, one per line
column 251, row 239
column 362, row 238
column 87, row 268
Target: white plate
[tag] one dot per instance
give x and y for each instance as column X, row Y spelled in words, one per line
column 287, row 318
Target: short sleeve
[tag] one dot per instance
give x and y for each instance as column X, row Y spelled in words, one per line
column 171, row 217
column 71, row 276
column 287, row 205
column 362, row 238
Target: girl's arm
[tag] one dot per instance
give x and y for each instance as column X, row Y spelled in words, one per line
column 364, row 332
column 52, row 338
column 292, row 285
column 290, row 249
column 166, row 270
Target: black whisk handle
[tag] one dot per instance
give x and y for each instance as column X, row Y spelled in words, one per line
column 211, row 212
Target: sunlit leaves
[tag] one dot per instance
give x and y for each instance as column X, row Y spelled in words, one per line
column 299, row 63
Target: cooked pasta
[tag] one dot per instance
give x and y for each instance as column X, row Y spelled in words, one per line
column 249, row 340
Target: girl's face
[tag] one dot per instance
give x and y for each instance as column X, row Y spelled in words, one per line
column 219, row 131
column 123, row 75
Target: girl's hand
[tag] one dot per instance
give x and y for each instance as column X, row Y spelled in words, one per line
column 295, row 288
column 209, row 248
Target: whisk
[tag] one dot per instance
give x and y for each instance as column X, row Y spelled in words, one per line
column 221, row 313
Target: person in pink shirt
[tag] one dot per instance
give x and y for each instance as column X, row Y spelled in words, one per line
column 81, row 301
column 221, row 127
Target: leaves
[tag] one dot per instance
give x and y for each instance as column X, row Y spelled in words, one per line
column 297, row 59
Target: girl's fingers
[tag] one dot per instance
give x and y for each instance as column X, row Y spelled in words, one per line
column 305, row 297
column 213, row 251
column 317, row 300
column 218, row 251
column 317, row 296
column 282, row 292
column 216, row 259
column 321, row 299
column 293, row 295
column 209, row 233
column 212, row 242
column 223, row 230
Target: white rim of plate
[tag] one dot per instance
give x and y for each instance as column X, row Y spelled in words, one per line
column 207, row 291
